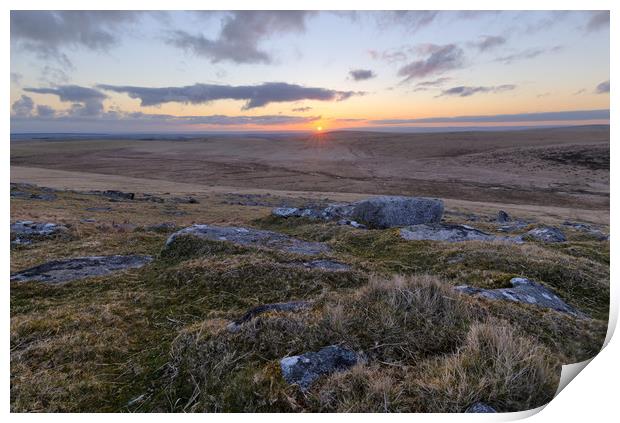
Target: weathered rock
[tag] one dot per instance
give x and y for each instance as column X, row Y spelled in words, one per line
column 185, row 200
column 546, row 234
column 118, row 195
column 58, row 271
column 351, row 223
column 252, row 238
column 26, row 231
column 44, row 196
column 523, row 291
column 286, row 212
column 480, row 407
column 588, row 230
column 303, row 370
column 88, row 220
column 387, row 211
column 503, row 217
column 265, row 308
column 450, row 233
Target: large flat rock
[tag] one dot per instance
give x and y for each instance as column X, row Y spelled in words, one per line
column 523, row 291
column 26, row 231
column 451, row 233
column 252, row 238
column 59, row 271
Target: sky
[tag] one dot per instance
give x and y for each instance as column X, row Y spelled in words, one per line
column 201, row 71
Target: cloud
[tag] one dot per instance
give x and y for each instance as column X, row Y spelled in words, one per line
column 240, row 35
column 434, row 83
column 463, row 91
column 23, row 106
column 302, row 109
column 255, row 95
column 45, row 111
column 86, row 101
column 411, row 20
column 519, row 117
column 362, row 74
column 527, row 54
column 598, row 20
column 579, row 92
column 440, row 59
column 603, row 87
column 47, row 33
column 488, row 42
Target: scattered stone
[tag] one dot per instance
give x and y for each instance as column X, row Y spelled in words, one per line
column 351, row 223
column 480, row 407
column 88, row 220
column 503, row 217
column 587, row 229
column 388, row 211
column 303, row 370
column 27, row 231
column 546, row 234
column 450, row 233
column 58, row 271
column 523, row 291
column 118, row 195
column 255, row 311
column 44, row 197
column 253, row 238
column 286, row 212
column 19, row 194
column 185, row 200
column 99, row 209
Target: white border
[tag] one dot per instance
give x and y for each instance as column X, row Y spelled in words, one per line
column 591, row 397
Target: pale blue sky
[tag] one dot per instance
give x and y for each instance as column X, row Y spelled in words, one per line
column 532, row 62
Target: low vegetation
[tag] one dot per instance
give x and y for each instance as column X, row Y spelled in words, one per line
column 157, row 338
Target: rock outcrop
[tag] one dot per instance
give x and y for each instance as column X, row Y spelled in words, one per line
column 26, row 231
column 450, row 233
column 303, row 370
column 252, row 238
column 546, row 234
column 377, row 212
column 59, row 271
column 523, row 291
column 503, row 217
column 388, row 211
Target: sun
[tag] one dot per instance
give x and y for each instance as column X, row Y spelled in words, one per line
column 319, row 128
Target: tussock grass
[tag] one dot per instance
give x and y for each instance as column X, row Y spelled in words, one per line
column 496, row 365
column 423, row 349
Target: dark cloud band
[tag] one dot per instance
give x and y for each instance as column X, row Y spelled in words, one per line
column 254, row 95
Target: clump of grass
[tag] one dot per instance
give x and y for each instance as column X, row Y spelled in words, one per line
column 496, row 365
column 400, row 319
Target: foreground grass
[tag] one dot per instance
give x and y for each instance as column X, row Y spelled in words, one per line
column 155, row 339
